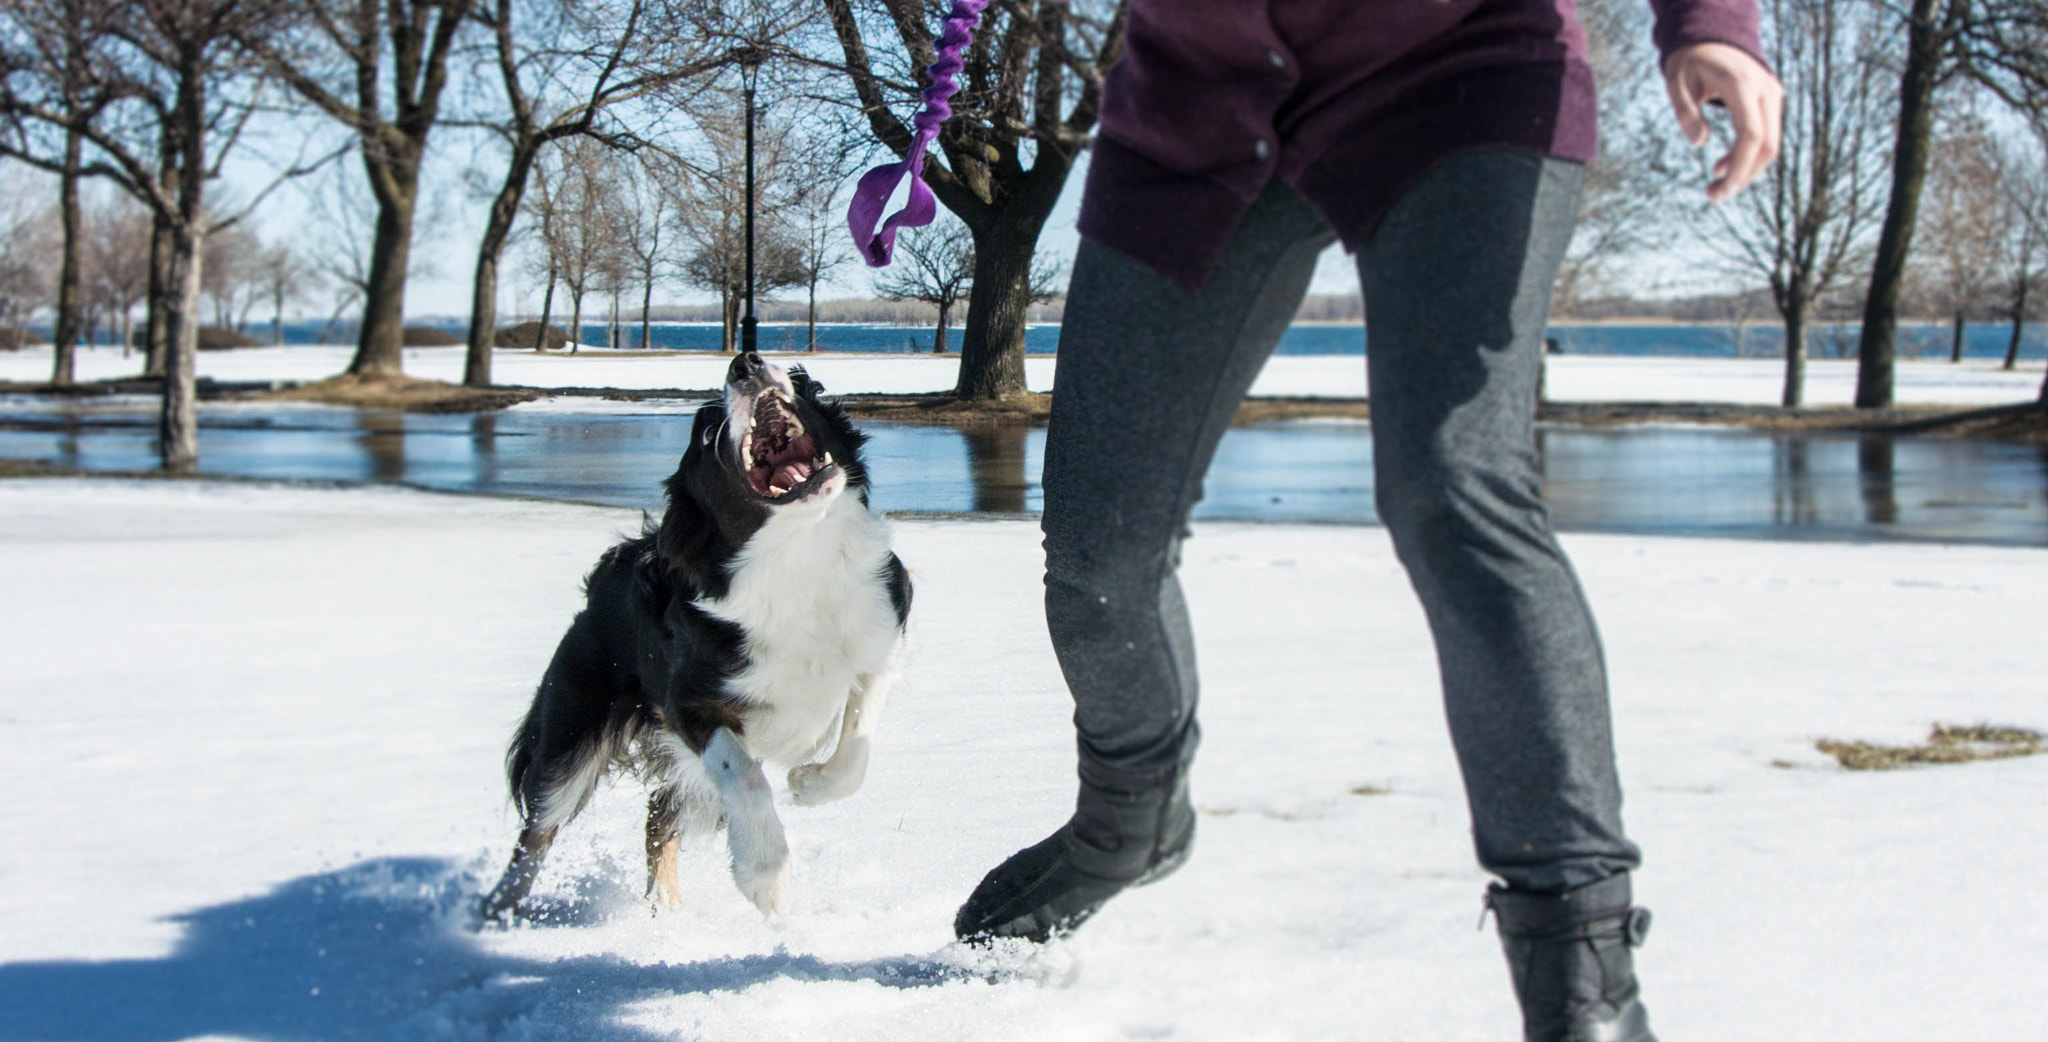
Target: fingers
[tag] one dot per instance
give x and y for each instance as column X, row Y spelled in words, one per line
column 1691, row 120
column 1725, row 75
column 1745, row 159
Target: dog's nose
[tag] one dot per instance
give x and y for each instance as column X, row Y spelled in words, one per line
column 747, row 368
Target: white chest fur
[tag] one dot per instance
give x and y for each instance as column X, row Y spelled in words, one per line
column 809, row 590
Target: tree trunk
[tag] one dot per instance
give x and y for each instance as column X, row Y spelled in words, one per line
column 483, row 297
column 380, row 350
column 127, row 328
column 575, row 320
column 1795, row 354
column 1955, row 340
column 992, row 344
column 64, row 367
column 611, row 332
column 158, row 309
column 547, row 308
column 730, row 322
column 2019, row 322
column 811, row 319
column 939, row 334
column 1876, row 348
column 646, row 305
column 178, row 427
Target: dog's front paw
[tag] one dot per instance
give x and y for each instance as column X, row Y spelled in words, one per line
column 814, row 783
column 765, row 882
column 760, row 865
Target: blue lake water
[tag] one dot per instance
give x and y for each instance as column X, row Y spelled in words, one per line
column 1983, row 340
column 1685, row 481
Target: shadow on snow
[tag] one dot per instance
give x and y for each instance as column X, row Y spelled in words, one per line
column 378, row 950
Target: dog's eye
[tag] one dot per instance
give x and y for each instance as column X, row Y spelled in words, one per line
column 710, row 435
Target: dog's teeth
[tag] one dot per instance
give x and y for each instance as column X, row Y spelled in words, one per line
column 828, row 459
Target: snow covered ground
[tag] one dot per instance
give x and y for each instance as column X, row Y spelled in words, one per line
column 1756, row 381
column 250, row 741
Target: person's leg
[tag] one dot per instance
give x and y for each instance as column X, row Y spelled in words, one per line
column 1457, row 284
column 1149, row 378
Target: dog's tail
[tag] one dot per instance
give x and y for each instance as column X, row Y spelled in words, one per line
column 519, row 759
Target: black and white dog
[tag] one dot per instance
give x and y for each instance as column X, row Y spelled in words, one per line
column 763, row 611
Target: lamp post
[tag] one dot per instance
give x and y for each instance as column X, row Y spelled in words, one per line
column 750, row 67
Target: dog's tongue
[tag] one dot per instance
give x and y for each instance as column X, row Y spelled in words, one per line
column 790, row 475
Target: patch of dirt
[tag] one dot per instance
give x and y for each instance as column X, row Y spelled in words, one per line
column 212, row 338
column 1947, row 743
column 944, row 409
column 429, row 336
column 404, row 393
column 526, row 334
column 2024, row 422
column 24, row 468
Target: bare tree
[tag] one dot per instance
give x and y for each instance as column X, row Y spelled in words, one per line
column 1806, row 226
column 822, row 248
column 232, row 259
column 1030, row 94
column 53, row 41
column 1998, row 45
column 566, row 69
column 117, row 262
column 934, row 265
column 1965, row 222
column 2023, row 256
column 24, row 284
column 714, row 217
column 543, row 260
column 181, row 97
column 816, row 215
column 645, row 219
column 1626, row 195
column 337, row 56
column 283, row 275
column 580, row 233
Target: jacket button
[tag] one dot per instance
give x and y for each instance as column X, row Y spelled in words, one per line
column 1263, row 150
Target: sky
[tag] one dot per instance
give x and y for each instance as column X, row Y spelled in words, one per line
column 455, row 215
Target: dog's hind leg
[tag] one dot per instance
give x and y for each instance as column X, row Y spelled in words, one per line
column 841, row 775
column 554, row 764
column 501, row 903
column 676, row 812
column 760, row 851
column 663, row 891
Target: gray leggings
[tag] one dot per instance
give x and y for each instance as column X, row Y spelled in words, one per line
column 1457, row 283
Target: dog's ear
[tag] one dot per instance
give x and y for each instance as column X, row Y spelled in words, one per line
column 685, row 532
column 800, row 378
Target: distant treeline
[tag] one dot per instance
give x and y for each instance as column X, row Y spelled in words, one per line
column 873, row 312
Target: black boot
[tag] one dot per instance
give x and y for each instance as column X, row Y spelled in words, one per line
column 1128, row 829
column 1569, row 954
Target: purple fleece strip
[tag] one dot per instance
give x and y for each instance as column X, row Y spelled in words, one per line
column 878, row 184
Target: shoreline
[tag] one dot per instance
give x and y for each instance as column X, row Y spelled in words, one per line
column 2020, row 422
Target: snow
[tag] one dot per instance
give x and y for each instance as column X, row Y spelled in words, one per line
column 1754, row 381
column 250, row 738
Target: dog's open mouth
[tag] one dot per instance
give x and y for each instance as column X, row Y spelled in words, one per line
column 779, row 456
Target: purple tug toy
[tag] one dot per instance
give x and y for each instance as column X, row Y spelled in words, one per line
column 872, row 195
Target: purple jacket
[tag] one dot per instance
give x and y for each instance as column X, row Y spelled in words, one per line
column 1350, row 101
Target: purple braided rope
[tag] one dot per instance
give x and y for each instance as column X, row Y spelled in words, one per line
column 872, row 194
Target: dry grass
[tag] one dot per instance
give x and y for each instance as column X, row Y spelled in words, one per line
column 944, row 409
column 405, row 394
column 1948, row 743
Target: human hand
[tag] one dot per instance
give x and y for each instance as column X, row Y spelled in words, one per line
column 1716, row 72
